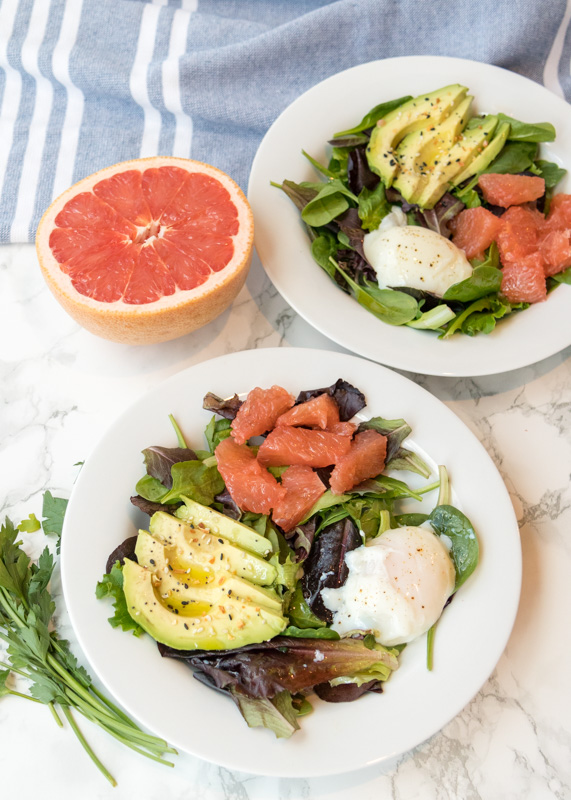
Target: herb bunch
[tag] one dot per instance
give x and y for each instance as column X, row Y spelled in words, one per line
column 35, row 651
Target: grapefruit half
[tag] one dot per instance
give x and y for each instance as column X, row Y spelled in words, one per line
column 147, row 250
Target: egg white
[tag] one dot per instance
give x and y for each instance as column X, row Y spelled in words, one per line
column 414, row 257
column 397, row 586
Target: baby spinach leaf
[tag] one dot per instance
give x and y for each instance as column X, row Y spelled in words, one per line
column 528, row 132
column 374, row 115
column 351, row 140
column 482, row 281
column 196, row 480
column 451, row 522
column 562, row 277
column 159, row 461
column 394, row 308
column 323, row 249
column 414, row 520
column 320, row 632
column 151, row 489
column 319, row 167
column 216, row 431
column 299, row 193
column 515, row 157
column 550, row 172
column 331, row 201
column 373, row 206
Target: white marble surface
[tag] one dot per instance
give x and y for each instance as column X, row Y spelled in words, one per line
column 60, row 388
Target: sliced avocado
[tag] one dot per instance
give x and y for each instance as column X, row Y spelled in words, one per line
column 486, row 156
column 421, row 112
column 460, row 155
column 220, row 626
column 181, row 587
column 199, row 547
column 220, row 525
column 419, row 150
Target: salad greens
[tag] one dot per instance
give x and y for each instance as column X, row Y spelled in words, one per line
column 270, row 681
column 352, row 201
column 36, row 653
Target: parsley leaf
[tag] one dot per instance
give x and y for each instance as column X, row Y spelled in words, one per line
column 111, row 585
column 53, row 511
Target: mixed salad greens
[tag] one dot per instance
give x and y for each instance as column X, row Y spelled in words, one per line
column 352, row 197
column 271, row 679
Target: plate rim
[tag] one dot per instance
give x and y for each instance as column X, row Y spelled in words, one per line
column 519, row 358
column 267, row 355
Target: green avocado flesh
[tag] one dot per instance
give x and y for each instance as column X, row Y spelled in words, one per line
column 421, row 112
column 190, row 589
column 486, row 156
column 194, row 514
column 420, row 151
column 431, row 143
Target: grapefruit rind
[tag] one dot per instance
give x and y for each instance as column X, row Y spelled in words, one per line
column 170, row 316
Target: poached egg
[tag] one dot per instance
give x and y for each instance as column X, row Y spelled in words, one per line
column 410, row 256
column 397, row 586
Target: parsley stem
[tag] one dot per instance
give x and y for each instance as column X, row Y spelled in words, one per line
column 70, row 681
column 25, row 696
column 114, row 708
column 55, row 715
column 86, row 747
column 104, row 719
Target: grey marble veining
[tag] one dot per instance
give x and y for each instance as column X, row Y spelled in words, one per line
column 60, row 388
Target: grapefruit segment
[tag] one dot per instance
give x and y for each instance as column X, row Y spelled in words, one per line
column 150, row 279
column 319, row 412
column 86, row 210
column 159, row 186
column 188, row 270
column 303, row 488
column 124, row 193
column 518, row 235
column 511, row 190
column 365, row 459
column 301, row 446
column 474, row 231
column 523, row 280
column 136, row 220
column 252, row 487
column 555, row 247
column 259, row 412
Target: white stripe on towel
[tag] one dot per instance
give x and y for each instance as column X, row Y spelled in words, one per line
column 171, row 80
column 75, row 99
column 12, row 86
column 38, row 124
column 138, row 79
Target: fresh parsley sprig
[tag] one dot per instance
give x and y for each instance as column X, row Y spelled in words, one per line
column 35, row 652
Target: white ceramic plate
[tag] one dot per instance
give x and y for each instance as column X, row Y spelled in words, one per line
column 282, row 245
column 162, row 694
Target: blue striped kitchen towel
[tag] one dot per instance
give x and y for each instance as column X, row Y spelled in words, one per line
column 88, row 83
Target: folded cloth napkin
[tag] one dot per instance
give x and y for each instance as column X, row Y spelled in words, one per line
column 87, row 83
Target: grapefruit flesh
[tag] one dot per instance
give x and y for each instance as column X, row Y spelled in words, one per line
column 147, row 250
column 259, row 412
column 319, row 412
column 303, row 488
column 555, row 249
column 365, row 459
column 523, row 280
column 511, row 190
column 286, row 445
column 252, row 487
column 475, row 230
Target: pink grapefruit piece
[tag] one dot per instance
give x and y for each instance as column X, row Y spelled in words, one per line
column 365, row 459
column 303, row 488
column 252, row 487
column 288, row 446
column 259, row 412
column 147, row 250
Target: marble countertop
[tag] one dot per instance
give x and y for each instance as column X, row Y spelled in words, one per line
column 61, row 388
